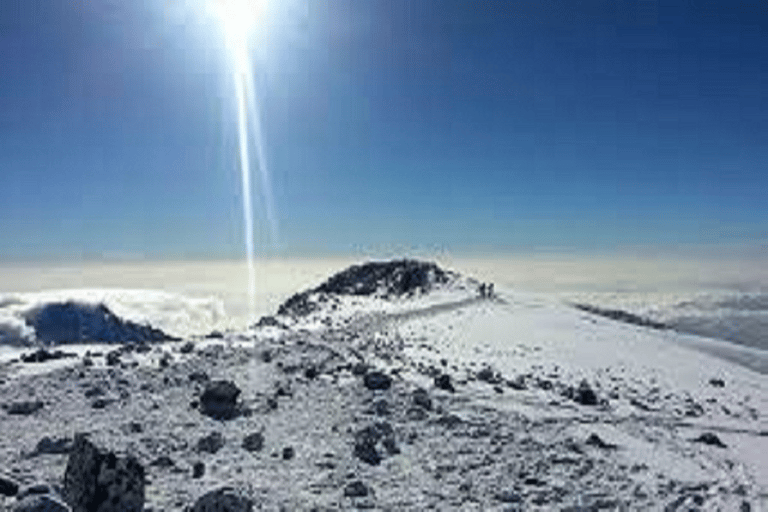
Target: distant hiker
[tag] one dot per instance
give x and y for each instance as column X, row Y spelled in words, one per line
column 482, row 290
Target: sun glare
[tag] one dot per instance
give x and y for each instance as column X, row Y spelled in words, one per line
column 239, row 19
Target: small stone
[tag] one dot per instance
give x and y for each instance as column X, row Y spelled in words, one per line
column 488, row 375
column 288, row 453
column 518, row 383
column 135, row 427
column 165, row 360
column 142, row 348
column 422, row 399
column 34, row 490
column 253, row 442
column 187, row 348
column 23, row 408
column 163, row 461
column 8, row 486
column 94, row 391
column 585, row 395
column 41, row 503
column 596, row 441
column 47, row 445
column 381, row 408
column 310, row 372
column 718, row 383
column 359, row 369
column 87, row 361
column 101, row 403
column 508, row 497
column 377, row 380
column 113, row 358
column 710, row 439
column 356, row 489
column 211, row 443
column 225, row 499
column 198, row 469
column 443, row 381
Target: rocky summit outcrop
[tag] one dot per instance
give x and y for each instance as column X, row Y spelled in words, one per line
column 383, row 279
column 99, row 480
column 73, row 322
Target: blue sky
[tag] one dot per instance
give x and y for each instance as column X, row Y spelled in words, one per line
column 467, row 126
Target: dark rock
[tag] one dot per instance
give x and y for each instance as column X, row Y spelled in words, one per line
column 214, row 335
column 310, row 372
column 102, row 402
column 198, row 469
column 488, row 375
column 201, row 377
column 377, row 380
column 266, row 356
column 288, row 453
column 42, row 355
column 416, row 414
column 23, row 408
column 100, row 480
column 372, row 440
column 444, row 382
column 47, row 445
column 517, row 383
column 718, row 383
column 41, row 503
column 597, row 442
column 498, row 389
column 381, row 408
column 87, row 361
column 225, row 499
column 187, row 347
column 34, row 490
column 165, row 360
column 113, row 358
column 253, row 442
column 356, row 489
column 270, row 321
column 8, row 486
column 211, row 443
column 359, row 369
column 163, row 461
column 585, row 395
column 508, row 497
column 710, row 439
column 422, row 399
column 96, row 390
column 135, row 427
column 219, row 400
column 142, row 348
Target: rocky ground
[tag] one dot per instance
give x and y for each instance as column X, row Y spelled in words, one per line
column 340, row 418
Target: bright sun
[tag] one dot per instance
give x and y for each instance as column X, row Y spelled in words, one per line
column 239, row 19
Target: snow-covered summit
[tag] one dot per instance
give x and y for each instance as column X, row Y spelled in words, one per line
column 381, row 286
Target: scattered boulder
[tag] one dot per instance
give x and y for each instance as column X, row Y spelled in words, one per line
column 8, row 486
column 113, row 358
column 421, row 398
column 95, row 390
column 356, row 489
column 372, row 440
column 102, row 402
column 443, row 381
column 57, row 446
column 187, row 347
column 710, row 439
column 718, row 383
column 142, row 348
column 225, row 499
column 42, row 355
column 488, row 375
column 41, row 503
column 518, row 383
column 597, row 442
column 253, row 442
column 584, row 394
column 508, row 497
column 377, row 380
column 165, row 360
column 200, row 377
column 99, row 480
column 381, row 408
column 23, row 408
column 211, row 443
column 219, row 400
column 34, row 490
column 359, row 369
column 288, row 453
column 198, row 469
column 163, row 461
